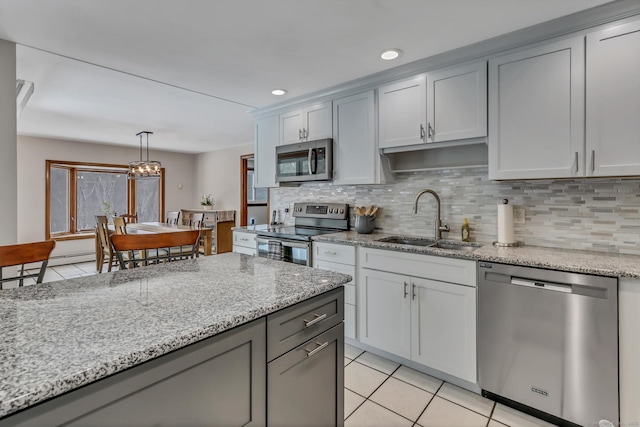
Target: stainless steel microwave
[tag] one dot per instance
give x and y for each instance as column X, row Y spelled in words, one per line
column 305, row 161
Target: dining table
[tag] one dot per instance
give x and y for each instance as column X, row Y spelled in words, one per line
column 206, row 234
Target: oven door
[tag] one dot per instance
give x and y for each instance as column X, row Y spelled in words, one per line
column 296, row 252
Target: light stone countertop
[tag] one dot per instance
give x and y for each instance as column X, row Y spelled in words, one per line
column 598, row 263
column 61, row 335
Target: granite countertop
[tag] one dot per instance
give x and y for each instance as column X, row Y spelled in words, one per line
column 61, row 335
column 599, row 263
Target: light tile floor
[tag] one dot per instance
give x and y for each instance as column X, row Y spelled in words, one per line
column 380, row 392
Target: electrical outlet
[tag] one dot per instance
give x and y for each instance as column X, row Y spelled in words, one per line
column 518, row 215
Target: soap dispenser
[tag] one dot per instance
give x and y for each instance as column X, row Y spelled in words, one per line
column 465, row 230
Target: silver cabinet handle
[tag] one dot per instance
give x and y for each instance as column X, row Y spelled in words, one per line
column 421, row 131
column 318, row 318
column 317, row 349
column 405, row 289
column 305, row 133
column 300, row 134
column 413, row 291
column 431, row 131
column 244, row 239
column 576, row 160
column 593, row 160
column 330, row 253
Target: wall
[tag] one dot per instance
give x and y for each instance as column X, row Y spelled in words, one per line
column 587, row 214
column 8, row 170
column 218, row 174
column 32, row 154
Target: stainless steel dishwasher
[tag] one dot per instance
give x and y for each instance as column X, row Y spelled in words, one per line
column 548, row 340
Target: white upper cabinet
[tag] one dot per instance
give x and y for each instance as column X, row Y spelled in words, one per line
column 355, row 152
column 613, row 101
column 306, row 124
column 457, row 103
column 536, row 112
column 403, row 113
column 267, row 135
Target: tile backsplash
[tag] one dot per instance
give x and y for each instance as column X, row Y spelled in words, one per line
column 600, row 214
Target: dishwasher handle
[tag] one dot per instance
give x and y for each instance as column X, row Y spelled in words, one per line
column 539, row 284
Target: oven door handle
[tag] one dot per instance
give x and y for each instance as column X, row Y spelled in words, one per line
column 295, row 245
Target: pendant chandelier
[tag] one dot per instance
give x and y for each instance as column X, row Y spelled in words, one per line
column 144, row 169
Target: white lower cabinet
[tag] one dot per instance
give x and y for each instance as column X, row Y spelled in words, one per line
column 443, row 319
column 244, row 243
column 431, row 322
column 341, row 259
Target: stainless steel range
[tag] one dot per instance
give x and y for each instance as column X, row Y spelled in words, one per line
column 294, row 243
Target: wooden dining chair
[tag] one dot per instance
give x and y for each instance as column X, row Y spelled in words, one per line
column 173, row 218
column 163, row 246
column 129, row 218
column 22, row 254
column 104, row 251
column 196, row 220
column 120, row 225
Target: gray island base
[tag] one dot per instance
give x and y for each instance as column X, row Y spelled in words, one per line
column 225, row 340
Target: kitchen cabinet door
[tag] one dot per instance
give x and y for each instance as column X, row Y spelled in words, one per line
column 613, row 101
column 306, row 124
column 384, row 318
column 318, row 121
column 291, row 127
column 355, row 152
column 403, row 112
column 536, row 112
column 444, row 327
column 457, row 103
column 267, row 134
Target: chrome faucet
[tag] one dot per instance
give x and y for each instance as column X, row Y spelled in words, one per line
column 440, row 227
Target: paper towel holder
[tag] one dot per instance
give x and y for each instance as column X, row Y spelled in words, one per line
column 505, row 245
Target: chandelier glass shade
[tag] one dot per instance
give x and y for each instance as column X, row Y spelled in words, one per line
column 144, row 169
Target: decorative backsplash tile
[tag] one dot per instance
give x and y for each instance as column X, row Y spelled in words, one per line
column 600, row 214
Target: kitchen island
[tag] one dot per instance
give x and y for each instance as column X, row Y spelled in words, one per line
column 73, row 344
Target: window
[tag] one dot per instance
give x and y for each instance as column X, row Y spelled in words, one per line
column 76, row 192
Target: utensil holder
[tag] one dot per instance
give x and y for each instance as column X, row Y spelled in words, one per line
column 365, row 224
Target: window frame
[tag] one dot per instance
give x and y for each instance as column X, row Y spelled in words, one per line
column 74, row 168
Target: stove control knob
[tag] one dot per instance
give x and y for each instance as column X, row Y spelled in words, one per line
column 330, row 210
column 341, row 211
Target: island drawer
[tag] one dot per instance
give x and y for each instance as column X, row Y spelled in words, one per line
column 292, row 326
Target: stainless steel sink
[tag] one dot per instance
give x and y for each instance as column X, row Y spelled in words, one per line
column 432, row 243
column 413, row 241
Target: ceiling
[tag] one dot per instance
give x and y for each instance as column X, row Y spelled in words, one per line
column 191, row 70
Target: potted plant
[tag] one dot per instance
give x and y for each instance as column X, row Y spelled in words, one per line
column 207, row 202
column 107, row 210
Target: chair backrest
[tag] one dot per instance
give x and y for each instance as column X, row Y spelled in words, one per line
column 24, row 254
column 195, row 220
column 172, row 241
column 120, row 225
column 172, row 218
column 128, row 218
column 102, row 230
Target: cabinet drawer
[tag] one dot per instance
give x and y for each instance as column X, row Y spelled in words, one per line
column 244, row 250
column 306, row 385
column 345, row 254
column 248, row 240
column 293, row 326
column 337, row 267
column 452, row 270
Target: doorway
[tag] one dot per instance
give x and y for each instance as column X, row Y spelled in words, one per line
column 254, row 202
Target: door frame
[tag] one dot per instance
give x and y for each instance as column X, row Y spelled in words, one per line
column 244, row 167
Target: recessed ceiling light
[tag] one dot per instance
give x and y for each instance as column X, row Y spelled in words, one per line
column 278, row 92
column 390, row 54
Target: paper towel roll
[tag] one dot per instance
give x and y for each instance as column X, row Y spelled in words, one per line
column 505, row 224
